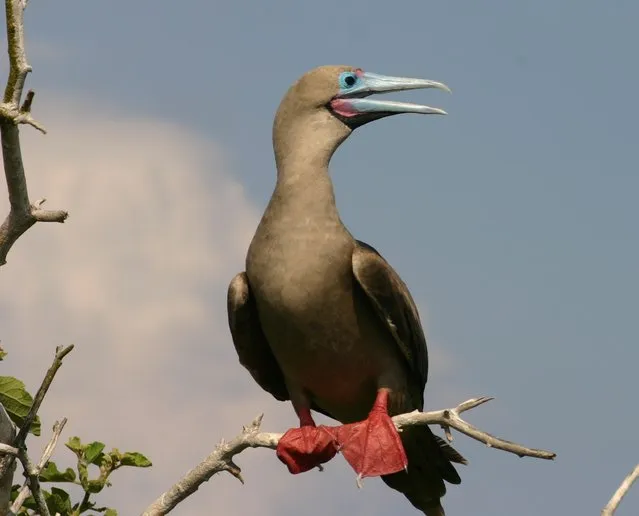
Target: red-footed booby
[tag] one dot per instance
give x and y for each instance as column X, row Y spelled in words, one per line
column 320, row 318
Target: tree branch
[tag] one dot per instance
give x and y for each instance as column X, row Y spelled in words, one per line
column 221, row 459
column 449, row 418
column 22, row 214
column 46, row 455
column 623, row 489
column 5, row 449
column 60, row 353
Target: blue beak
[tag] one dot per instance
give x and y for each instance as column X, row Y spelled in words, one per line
column 351, row 100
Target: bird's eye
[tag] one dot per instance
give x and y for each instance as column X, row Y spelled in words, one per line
column 347, row 80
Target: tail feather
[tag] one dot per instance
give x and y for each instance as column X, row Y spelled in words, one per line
column 449, row 452
column 429, row 464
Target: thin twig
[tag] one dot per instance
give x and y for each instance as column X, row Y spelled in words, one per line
column 60, row 353
column 46, row 455
column 623, row 489
column 221, row 459
column 28, row 100
column 18, row 65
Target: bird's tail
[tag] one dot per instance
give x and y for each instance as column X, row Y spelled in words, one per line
column 429, row 464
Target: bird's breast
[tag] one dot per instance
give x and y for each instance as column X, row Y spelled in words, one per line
column 294, row 263
column 303, row 284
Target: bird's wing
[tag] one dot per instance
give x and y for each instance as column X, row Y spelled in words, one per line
column 395, row 306
column 250, row 343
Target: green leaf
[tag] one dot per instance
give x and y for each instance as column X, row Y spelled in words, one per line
column 75, row 445
column 110, row 512
column 30, row 502
column 135, row 459
column 58, row 501
column 95, row 486
column 17, row 402
column 51, row 473
column 92, row 451
column 3, row 354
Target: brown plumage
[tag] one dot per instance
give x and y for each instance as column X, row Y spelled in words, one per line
column 319, row 317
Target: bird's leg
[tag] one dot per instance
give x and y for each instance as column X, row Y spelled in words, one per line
column 373, row 446
column 306, row 447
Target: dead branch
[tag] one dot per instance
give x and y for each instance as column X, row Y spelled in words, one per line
column 623, row 489
column 221, row 459
column 449, row 418
column 22, row 214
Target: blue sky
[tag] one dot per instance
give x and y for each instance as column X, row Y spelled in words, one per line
column 513, row 219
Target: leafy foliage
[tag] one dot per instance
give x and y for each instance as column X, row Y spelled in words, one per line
column 51, row 473
column 59, row 501
column 17, row 402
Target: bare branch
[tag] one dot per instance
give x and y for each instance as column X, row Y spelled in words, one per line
column 22, row 214
column 50, row 215
column 46, row 455
column 19, row 68
column 449, row 418
column 5, row 449
column 60, row 353
column 221, row 459
column 623, row 489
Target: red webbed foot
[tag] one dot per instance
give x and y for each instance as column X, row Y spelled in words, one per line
column 305, row 448
column 373, row 447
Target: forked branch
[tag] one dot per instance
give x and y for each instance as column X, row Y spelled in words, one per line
column 450, row 418
column 221, row 459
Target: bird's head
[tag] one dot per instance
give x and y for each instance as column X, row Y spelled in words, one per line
column 327, row 103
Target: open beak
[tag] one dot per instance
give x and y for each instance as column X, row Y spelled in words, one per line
column 355, row 108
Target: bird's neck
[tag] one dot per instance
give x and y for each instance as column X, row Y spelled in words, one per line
column 305, row 187
column 303, row 149
column 305, row 146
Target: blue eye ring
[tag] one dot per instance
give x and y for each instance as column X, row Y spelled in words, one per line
column 347, row 80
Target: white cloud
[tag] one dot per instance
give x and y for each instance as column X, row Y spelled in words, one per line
column 137, row 280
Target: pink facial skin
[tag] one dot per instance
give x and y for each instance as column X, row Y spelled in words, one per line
column 343, row 107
